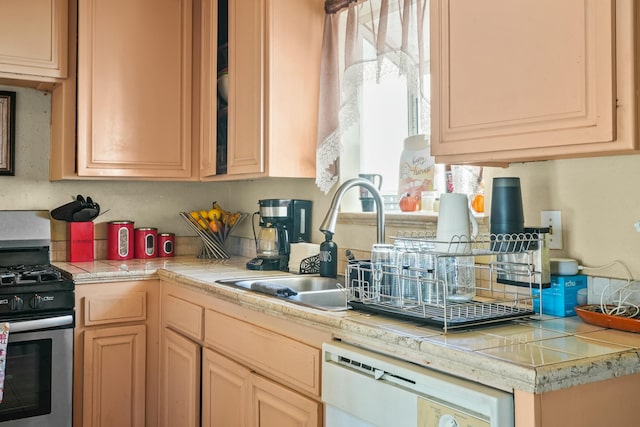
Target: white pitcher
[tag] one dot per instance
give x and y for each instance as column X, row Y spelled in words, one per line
column 456, row 224
column 457, row 227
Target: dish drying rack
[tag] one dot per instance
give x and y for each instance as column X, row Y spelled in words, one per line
column 422, row 292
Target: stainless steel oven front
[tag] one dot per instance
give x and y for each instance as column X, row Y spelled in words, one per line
column 38, row 373
column 38, row 301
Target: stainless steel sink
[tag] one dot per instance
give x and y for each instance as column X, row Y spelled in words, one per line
column 329, row 300
column 318, row 292
column 296, row 283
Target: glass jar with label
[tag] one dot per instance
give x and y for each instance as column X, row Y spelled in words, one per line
column 417, row 166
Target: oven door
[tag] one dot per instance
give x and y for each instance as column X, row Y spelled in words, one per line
column 38, row 373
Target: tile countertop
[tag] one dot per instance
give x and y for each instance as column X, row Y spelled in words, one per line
column 528, row 355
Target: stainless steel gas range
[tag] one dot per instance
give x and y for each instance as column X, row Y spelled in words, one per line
column 37, row 300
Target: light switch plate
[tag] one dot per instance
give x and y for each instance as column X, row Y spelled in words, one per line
column 553, row 219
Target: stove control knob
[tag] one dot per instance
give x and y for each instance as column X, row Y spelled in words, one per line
column 15, row 303
column 35, row 301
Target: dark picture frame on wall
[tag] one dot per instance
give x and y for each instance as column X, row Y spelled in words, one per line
column 7, row 133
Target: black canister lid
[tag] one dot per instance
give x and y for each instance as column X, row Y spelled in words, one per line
column 507, row 214
column 506, row 181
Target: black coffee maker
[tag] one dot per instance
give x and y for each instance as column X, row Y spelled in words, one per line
column 282, row 222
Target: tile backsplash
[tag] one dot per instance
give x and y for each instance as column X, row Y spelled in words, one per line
column 604, row 289
column 184, row 246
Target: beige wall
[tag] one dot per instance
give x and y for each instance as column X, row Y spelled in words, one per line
column 598, row 197
column 148, row 204
column 599, row 201
column 151, row 204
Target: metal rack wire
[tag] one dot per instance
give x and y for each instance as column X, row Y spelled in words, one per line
column 416, row 286
column 213, row 243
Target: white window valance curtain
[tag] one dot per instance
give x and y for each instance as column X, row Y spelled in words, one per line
column 366, row 40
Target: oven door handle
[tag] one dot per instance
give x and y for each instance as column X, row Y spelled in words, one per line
column 47, row 323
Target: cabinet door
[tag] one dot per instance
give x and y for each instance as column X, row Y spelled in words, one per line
column 134, row 88
column 33, row 38
column 294, row 46
column 179, row 381
column 245, row 150
column 114, row 377
column 283, row 358
column 103, row 341
column 521, row 80
column 224, row 391
column 274, row 82
column 208, row 14
column 273, row 405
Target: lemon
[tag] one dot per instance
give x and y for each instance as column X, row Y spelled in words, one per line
column 214, row 213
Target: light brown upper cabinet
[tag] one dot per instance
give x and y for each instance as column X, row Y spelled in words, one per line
column 147, row 93
column 134, row 88
column 126, row 109
column 33, row 39
column 274, row 51
column 530, row 80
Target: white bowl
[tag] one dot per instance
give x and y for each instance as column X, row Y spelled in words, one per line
column 223, row 86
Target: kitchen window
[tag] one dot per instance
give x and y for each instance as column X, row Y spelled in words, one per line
column 382, row 66
column 375, row 92
column 388, row 114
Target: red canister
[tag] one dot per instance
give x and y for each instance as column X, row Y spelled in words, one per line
column 166, row 242
column 120, row 240
column 145, row 242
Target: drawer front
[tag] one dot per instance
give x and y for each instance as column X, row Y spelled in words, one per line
column 115, row 308
column 278, row 356
column 183, row 316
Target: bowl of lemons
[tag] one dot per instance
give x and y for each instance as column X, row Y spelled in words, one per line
column 214, row 226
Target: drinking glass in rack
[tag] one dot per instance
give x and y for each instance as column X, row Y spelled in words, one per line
column 408, row 269
column 458, row 275
column 385, row 273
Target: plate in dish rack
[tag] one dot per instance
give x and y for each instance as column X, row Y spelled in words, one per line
column 592, row 314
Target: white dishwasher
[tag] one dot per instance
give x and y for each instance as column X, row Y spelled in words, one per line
column 361, row 388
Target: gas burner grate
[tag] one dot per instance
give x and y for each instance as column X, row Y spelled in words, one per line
column 24, row 275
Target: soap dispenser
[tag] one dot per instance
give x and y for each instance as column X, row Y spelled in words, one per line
column 328, row 256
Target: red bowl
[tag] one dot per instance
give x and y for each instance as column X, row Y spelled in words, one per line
column 588, row 315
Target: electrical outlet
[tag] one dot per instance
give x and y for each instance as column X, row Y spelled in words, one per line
column 553, row 220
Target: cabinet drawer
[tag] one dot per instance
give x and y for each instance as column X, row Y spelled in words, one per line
column 183, row 316
column 280, row 357
column 115, row 308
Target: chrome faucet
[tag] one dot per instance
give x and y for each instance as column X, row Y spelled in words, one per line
column 329, row 222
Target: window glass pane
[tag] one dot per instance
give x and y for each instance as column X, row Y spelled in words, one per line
column 384, row 121
column 390, row 89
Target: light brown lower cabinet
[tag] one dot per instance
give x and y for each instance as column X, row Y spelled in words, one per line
column 224, row 391
column 234, row 396
column 252, row 369
column 179, row 381
column 602, row 403
column 114, row 376
column 116, row 354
